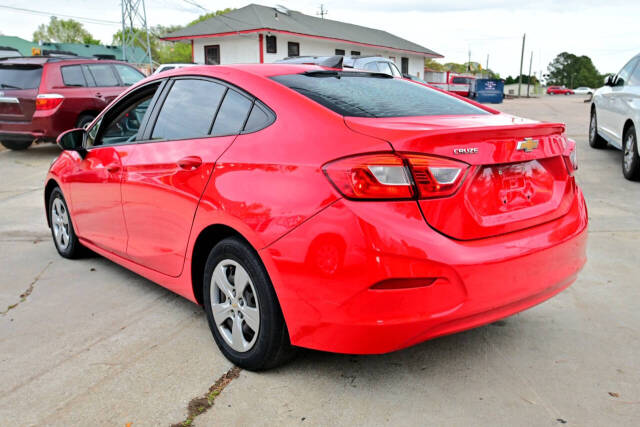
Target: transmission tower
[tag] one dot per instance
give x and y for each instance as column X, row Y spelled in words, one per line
column 135, row 33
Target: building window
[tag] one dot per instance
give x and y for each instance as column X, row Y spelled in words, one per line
column 271, row 44
column 355, row 53
column 340, row 52
column 212, row 54
column 293, row 49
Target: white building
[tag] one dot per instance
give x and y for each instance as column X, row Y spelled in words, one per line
column 260, row 34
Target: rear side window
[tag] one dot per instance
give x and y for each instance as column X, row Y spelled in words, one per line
column 20, row 76
column 72, row 76
column 128, row 75
column 363, row 95
column 259, row 118
column 232, row 115
column 460, row 80
column 188, row 110
column 103, row 75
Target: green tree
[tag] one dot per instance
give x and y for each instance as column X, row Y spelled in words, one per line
column 63, row 31
column 573, row 71
column 434, row 65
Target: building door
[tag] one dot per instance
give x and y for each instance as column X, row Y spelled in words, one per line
column 212, row 54
column 405, row 65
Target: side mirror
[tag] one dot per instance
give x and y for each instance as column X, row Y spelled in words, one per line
column 608, row 81
column 72, row 140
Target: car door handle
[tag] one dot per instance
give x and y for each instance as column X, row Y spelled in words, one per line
column 99, row 95
column 113, row 168
column 190, row 163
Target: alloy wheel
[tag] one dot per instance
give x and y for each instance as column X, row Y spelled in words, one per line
column 60, row 223
column 629, row 148
column 234, row 305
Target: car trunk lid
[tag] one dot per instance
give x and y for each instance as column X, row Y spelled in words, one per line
column 517, row 179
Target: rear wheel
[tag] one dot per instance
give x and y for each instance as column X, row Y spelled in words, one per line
column 64, row 236
column 84, row 120
column 242, row 308
column 16, row 145
column 595, row 140
column 630, row 159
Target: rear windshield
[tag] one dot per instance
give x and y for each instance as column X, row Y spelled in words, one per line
column 369, row 95
column 20, row 76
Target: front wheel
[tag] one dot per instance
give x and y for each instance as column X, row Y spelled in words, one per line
column 64, row 236
column 16, row 145
column 242, row 308
column 630, row 159
column 595, row 140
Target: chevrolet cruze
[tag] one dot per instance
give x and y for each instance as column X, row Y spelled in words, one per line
column 306, row 206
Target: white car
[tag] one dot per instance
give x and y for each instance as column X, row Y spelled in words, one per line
column 615, row 116
column 583, row 90
column 167, row 67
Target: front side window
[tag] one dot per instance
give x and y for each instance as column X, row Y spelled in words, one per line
column 625, row 73
column 360, row 94
column 103, row 75
column 634, row 79
column 394, row 70
column 189, row 110
column 72, row 76
column 121, row 124
column 384, row 67
column 128, row 75
column 293, row 49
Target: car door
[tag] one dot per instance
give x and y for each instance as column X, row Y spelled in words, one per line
column 96, row 177
column 622, row 94
column 609, row 113
column 105, row 83
column 165, row 175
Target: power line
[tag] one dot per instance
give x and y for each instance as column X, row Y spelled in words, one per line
column 43, row 13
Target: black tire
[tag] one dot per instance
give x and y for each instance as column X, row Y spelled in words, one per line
column 595, row 140
column 73, row 249
column 630, row 157
column 16, row 145
column 85, row 119
column 271, row 347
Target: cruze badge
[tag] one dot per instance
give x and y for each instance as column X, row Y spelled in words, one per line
column 472, row 150
column 527, row 145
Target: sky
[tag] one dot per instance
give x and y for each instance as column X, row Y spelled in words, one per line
column 606, row 31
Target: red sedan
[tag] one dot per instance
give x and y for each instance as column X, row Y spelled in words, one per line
column 559, row 90
column 337, row 210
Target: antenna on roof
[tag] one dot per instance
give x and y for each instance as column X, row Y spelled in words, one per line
column 322, row 11
column 280, row 8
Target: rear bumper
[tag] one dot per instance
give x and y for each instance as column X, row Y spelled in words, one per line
column 324, row 287
column 44, row 126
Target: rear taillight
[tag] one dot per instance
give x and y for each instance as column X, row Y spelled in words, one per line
column 570, row 156
column 48, row 101
column 395, row 176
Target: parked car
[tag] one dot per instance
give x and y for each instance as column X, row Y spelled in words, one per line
column 583, row 90
column 615, row 116
column 453, row 82
column 40, row 97
column 333, row 209
column 378, row 64
column 166, row 67
column 559, row 90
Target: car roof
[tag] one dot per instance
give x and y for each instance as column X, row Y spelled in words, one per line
column 40, row 60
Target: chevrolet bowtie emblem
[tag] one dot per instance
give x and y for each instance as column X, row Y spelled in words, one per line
column 527, row 145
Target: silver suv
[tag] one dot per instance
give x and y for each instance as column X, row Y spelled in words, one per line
column 615, row 116
column 378, row 64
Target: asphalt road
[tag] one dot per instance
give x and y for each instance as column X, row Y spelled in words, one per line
column 89, row 343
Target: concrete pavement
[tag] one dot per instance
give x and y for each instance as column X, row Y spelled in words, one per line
column 90, row 343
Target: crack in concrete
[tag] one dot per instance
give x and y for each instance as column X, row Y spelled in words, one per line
column 27, row 292
column 199, row 405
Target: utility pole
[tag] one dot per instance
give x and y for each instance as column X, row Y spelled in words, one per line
column 469, row 62
column 134, row 21
column 529, row 80
column 487, row 67
column 521, row 60
column 322, row 12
